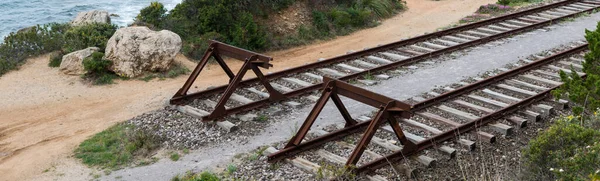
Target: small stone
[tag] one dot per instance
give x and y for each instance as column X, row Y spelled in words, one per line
column 412, row 67
column 367, row 82
column 382, row 76
column 293, row 104
column 248, row 117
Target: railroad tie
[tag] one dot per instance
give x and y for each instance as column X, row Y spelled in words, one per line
column 489, row 30
column 257, row 92
column 332, row 72
column 468, row 105
column 198, row 113
column 365, row 64
column 385, row 61
column 281, row 88
column 488, row 101
column 510, row 25
column 499, row 28
column 502, row 128
column 478, row 33
column 296, row 81
column 417, row 47
column 546, row 73
column 571, row 8
column 539, row 79
column 210, row 103
column 525, row 84
column 405, row 169
column 569, row 64
column 433, row 45
column 521, row 122
column 298, row 162
column 450, row 43
column 500, row 96
column 454, row 38
column 467, row 36
column 516, row 90
column 451, row 152
column 519, row 22
column 349, row 68
column 531, row 116
column 313, row 76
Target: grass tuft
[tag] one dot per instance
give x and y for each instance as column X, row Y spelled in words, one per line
column 116, row 147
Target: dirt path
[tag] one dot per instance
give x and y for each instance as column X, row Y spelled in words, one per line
column 45, row 115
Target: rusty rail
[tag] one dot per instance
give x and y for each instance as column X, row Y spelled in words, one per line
column 181, row 99
column 389, row 109
column 296, row 147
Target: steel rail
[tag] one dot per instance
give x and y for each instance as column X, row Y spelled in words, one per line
column 482, row 121
column 314, row 87
column 361, row 126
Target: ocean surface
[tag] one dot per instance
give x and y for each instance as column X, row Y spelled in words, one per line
column 18, row 14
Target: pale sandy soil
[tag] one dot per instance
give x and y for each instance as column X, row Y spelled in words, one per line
column 44, row 115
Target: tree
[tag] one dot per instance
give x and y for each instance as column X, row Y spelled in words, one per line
column 153, row 14
column 585, row 92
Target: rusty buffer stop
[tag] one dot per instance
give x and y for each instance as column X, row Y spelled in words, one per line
column 389, row 110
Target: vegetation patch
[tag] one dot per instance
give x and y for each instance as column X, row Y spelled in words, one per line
column 239, row 22
column 116, row 147
column 567, row 151
column 98, row 69
column 41, row 39
column 570, row 149
column 55, row 59
column 174, row 71
column 204, row 176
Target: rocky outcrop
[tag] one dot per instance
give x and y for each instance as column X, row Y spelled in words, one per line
column 134, row 50
column 72, row 63
column 96, row 16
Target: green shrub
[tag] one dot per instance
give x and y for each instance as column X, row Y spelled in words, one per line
column 584, row 92
column 89, row 35
column 567, row 151
column 116, row 147
column 97, row 69
column 152, row 15
column 33, row 41
column 41, row 39
column 204, row 176
column 503, row 2
column 55, row 59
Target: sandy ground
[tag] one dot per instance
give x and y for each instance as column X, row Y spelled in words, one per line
column 45, row 115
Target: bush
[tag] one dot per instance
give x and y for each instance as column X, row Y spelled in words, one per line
column 55, row 59
column 89, row 35
column 584, row 92
column 33, row 41
column 116, row 147
column 152, row 15
column 204, row 176
column 235, row 22
column 97, row 69
column 567, row 151
column 41, row 39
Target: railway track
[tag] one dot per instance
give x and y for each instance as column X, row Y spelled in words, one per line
column 450, row 117
column 301, row 81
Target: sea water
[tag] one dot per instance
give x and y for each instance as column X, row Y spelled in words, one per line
column 18, row 14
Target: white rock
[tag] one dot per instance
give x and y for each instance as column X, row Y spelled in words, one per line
column 72, row 63
column 95, row 16
column 134, row 50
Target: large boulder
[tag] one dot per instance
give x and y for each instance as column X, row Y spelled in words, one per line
column 134, row 50
column 72, row 63
column 95, row 16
